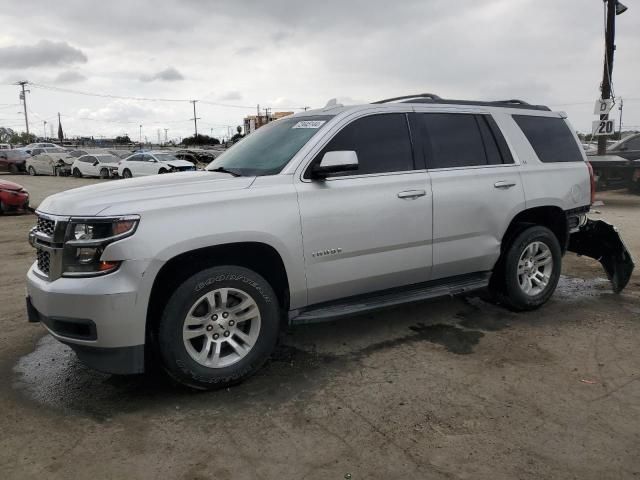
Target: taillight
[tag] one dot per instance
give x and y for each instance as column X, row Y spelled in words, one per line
column 593, row 183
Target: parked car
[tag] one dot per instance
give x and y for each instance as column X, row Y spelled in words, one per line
column 200, row 158
column 101, row 165
column 13, row 197
column 315, row 216
column 151, row 163
column 49, row 161
column 5, row 146
column 29, row 148
column 620, row 167
column 13, row 161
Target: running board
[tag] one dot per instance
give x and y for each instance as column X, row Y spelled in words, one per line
column 389, row 298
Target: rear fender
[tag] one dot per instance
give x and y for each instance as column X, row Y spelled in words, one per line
column 601, row 240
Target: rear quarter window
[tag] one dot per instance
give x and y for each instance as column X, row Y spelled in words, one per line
column 550, row 137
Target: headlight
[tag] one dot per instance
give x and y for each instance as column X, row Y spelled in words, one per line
column 86, row 240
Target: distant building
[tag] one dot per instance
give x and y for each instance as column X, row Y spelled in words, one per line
column 254, row 122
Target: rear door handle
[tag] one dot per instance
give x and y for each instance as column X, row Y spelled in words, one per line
column 504, row 184
column 412, row 194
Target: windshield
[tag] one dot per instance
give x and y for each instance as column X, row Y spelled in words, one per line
column 165, row 157
column 267, row 150
column 107, row 158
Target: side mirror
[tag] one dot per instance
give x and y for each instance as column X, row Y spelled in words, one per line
column 335, row 162
column 96, row 163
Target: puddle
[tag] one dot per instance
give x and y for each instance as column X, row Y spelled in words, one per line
column 52, row 375
column 573, row 288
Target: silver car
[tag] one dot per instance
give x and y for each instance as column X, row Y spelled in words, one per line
column 320, row 215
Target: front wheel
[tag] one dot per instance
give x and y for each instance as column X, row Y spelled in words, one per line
column 104, row 173
column 218, row 327
column 530, row 269
column 126, row 173
column 32, row 171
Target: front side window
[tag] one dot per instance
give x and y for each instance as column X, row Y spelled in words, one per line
column 550, row 137
column 268, row 150
column 382, row 143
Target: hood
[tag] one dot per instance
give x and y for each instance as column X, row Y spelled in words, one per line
column 7, row 185
column 179, row 163
column 135, row 195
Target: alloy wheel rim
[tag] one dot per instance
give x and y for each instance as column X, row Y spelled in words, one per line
column 221, row 327
column 535, row 267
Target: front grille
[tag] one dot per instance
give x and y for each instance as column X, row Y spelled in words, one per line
column 46, row 226
column 43, row 261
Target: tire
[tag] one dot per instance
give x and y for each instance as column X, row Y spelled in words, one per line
column 77, row 173
column 540, row 276
column 223, row 364
column 32, row 171
column 126, row 173
column 162, row 170
column 13, row 169
column 104, row 173
column 2, row 208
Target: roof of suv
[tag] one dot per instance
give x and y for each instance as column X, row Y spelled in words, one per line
column 333, row 108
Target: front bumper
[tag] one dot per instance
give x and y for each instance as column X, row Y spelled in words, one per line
column 99, row 317
column 600, row 240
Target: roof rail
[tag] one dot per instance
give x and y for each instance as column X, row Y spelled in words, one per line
column 430, row 96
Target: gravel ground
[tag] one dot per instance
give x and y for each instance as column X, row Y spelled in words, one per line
column 454, row 388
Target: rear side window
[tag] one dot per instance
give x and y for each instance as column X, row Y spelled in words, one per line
column 382, row 143
column 550, row 137
column 455, row 140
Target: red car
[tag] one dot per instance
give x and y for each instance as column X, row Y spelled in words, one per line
column 13, row 161
column 13, row 197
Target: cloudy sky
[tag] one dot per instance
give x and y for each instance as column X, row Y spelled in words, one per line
column 286, row 54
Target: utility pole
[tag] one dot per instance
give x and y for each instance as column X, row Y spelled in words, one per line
column 620, row 121
column 165, row 135
column 44, row 129
column 23, row 97
column 613, row 8
column 195, row 118
column 140, row 138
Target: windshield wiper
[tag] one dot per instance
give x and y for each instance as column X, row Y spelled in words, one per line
column 224, row 170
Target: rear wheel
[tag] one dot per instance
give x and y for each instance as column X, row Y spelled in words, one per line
column 126, row 173
column 77, row 173
column 218, row 327
column 32, row 171
column 529, row 269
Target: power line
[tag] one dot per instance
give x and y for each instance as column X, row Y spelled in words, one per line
column 144, row 99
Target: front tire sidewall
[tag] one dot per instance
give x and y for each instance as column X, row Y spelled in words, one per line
column 177, row 361
column 515, row 297
column 32, row 171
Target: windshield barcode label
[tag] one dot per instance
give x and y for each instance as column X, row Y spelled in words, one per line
column 310, row 124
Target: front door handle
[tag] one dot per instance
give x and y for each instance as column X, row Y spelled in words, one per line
column 412, row 194
column 504, row 184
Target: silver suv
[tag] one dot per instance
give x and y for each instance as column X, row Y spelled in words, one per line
column 323, row 214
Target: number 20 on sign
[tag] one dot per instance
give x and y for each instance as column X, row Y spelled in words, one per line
column 603, row 127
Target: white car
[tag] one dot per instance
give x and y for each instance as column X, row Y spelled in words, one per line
column 102, row 165
column 151, row 163
column 49, row 161
column 29, row 148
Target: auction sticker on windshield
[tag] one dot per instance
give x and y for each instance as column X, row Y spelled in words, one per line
column 310, row 124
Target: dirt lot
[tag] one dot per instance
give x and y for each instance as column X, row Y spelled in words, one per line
column 455, row 388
